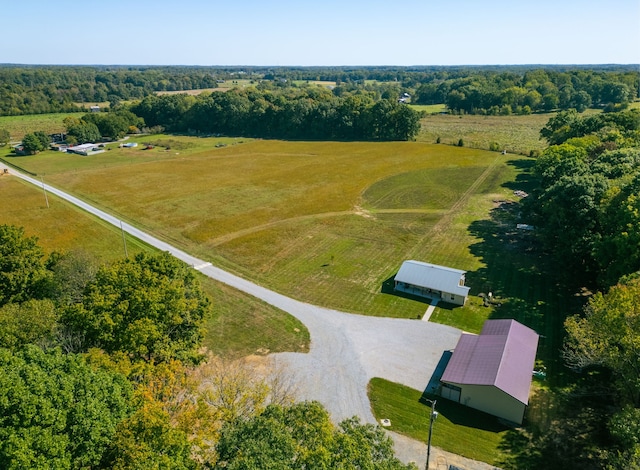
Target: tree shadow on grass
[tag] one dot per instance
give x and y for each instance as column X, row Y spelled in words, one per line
column 525, row 283
column 527, row 286
column 524, row 180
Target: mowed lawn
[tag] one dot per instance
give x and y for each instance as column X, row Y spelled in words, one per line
column 457, row 428
column 239, row 325
column 324, row 222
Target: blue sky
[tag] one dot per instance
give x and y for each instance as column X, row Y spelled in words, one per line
column 329, row 32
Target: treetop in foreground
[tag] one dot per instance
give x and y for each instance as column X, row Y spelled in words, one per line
column 150, row 307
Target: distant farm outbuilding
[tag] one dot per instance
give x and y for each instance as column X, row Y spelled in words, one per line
column 85, row 149
column 492, row 371
column 432, row 281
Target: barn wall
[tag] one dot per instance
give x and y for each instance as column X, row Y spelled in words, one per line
column 492, row 400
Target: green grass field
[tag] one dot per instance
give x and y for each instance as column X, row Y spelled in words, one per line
column 457, row 429
column 338, row 216
column 18, row 126
column 429, row 108
column 239, row 325
column 330, row 223
column 515, row 134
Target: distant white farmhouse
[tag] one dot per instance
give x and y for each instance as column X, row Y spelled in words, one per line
column 492, row 371
column 432, row 281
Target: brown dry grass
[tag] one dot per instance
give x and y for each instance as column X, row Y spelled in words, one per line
column 516, row 134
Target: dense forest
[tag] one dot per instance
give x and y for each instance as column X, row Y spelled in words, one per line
column 586, row 203
column 531, row 91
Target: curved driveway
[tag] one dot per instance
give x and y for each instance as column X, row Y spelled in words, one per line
column 347, row 350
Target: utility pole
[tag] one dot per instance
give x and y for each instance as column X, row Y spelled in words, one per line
column 124, row 240
column 432, row 417
column 46, row 199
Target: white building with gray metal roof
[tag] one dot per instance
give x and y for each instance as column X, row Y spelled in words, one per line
column 432, row 281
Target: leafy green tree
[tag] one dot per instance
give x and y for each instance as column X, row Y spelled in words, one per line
column 618, row 250
column 151, row 307
column 84, row 132
column 532, row 99
column 113, row 125
column 5, row 137
column 569, row 215
column 608, row 335
column 302, row 436
column 23, row 273
column 72, row 272
column 44, row 139
column 625, row 429
column 147, row 441
column 581, row 101
column 31, row 322
column 32, row 143
column 550, row 96
column 560, row 160
column 559, row 128
column 56, row 412
column 618, row 93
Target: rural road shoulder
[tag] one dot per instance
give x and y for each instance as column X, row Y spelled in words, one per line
column 347, row 350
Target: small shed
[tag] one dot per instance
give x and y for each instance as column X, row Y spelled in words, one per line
column 432, row 281
column 492, row 371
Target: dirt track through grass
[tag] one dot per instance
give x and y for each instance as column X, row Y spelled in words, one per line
column 325, row 222
column 442, row 226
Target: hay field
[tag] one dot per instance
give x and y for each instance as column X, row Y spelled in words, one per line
column 324, row 222
column 239, row 324
column 18, row 126
column 516, row 134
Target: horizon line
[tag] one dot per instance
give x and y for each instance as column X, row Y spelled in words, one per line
column 602, row 64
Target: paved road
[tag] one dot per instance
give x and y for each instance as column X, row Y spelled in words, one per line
column 346, row 351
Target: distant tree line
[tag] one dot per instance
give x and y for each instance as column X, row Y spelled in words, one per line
column 288, row 113
column 481, row 89
column 532, row 91
column 52, row 89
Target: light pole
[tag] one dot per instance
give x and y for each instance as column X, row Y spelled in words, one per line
column 434, row 415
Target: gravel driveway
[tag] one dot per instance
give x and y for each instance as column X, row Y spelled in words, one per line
column 347, row 350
